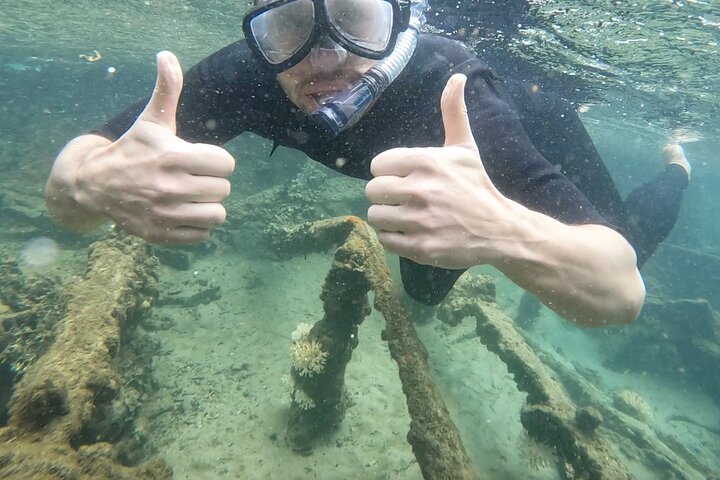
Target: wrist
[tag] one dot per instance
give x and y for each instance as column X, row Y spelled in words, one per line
column 525, row 234
column 66, row 194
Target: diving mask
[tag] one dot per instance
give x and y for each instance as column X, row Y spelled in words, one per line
column 281, row 33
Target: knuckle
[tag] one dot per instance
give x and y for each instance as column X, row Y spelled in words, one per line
column 422, row 247
column 432, row 189
column 381, row 190
column 229, row 164
column 172, row 158
column 222, row 160
column 372, row 214
column 423, row 160
column 418, row 194
column 159, row 214
column 201, row 236
column 156, row 236
column 226, row 188
column 384, row 239
column 218, row 215
column 426, row 251
column 370, row 189
column 195, row 236
column 163, row 188
column 432, row 254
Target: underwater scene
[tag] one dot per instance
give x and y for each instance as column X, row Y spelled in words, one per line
column 284, row 346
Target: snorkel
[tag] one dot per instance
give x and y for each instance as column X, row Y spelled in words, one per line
column 347, row 107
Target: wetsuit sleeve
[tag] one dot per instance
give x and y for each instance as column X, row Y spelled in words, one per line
column 218, row 99
column 513, row 162
column 556, row 130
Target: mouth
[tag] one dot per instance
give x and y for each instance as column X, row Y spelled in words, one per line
column 321, row 98
column 321, row 92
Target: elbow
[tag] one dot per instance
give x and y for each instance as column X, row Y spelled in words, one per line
column 638, row 299
column 630, row 301
column 625, row 295
column 630, row 293
column 622, row 307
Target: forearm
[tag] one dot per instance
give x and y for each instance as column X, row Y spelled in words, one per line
column 586, row 273
column 61, row 188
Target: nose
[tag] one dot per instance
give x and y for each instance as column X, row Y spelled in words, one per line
column 327, row 54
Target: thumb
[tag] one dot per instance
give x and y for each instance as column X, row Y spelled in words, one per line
column 162, row 107
column 454, row 114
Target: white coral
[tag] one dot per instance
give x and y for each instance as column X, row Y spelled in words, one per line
column 303, row 400
column 300, row 332
column 308, row 357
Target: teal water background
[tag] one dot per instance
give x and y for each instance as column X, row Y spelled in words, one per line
column 650, row 71
column 653, row 68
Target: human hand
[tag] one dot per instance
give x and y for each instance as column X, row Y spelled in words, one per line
column 437, row 206
column 152, row 183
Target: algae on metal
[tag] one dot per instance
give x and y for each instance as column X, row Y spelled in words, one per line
column 52, row 409
column 30, row 306
column 360, row 265
column 566, row 411
column 549, row 415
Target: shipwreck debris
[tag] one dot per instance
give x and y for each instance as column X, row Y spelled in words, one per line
column 359, row 266
column 49, row 433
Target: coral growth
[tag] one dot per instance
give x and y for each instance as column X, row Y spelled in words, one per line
column 308, row 357
column 300, row 332
column 302, row 399
column 631, row 403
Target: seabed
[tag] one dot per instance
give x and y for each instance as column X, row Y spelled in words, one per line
column 74, row 410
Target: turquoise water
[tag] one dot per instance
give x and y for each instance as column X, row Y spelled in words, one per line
column 206, row 392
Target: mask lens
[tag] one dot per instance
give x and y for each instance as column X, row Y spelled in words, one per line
column 366, row 23
column 282, row 31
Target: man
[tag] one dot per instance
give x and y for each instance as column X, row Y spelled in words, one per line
column 450, row 187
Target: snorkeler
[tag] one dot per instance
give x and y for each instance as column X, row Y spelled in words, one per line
column 457, row 176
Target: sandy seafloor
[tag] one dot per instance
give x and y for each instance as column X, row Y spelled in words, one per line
column 224, row 364
column 222, row 406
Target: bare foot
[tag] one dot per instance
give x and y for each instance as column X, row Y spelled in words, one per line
column 675, row 155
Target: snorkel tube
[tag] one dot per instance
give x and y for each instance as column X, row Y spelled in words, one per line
column 348, row 106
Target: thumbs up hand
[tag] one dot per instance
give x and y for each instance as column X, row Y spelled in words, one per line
column 152, row 183
column 437, row 206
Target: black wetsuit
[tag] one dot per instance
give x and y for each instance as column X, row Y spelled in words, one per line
column 521, row 136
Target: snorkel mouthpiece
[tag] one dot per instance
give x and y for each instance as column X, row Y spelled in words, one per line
column 347, row 107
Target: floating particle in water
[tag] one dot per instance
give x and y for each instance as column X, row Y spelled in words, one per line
column 584, row 108
column 40, row 251
column 91, row 57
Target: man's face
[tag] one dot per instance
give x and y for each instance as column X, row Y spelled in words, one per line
column 325, row 71
column 311, row 81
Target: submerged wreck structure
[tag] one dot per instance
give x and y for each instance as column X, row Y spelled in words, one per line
column 359, row 266
column 563, row 410
column 60, row 405
column 57, row 423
